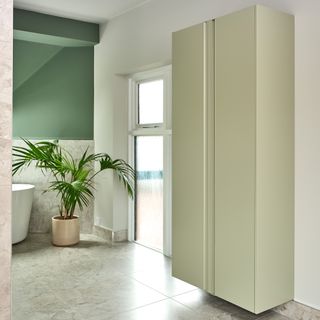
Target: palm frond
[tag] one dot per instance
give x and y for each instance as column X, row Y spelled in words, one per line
column 42, row 153
column 73, row 194
column 73, row 179
column 123, row 170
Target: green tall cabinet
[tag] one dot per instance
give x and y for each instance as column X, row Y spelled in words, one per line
column 233, row 157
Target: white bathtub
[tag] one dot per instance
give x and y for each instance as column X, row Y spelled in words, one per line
column 22, row 196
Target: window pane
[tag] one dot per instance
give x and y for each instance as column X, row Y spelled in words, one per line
column 149, row 191
column 150, row 102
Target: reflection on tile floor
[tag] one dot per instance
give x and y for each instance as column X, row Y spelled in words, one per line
column 93, row 281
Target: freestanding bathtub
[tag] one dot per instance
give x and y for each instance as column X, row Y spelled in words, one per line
column 22, row 196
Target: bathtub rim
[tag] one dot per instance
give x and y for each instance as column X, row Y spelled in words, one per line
column 18, row 187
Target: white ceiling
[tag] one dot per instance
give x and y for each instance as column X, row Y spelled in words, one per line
column 86, row 10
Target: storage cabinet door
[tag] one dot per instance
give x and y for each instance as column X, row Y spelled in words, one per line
column 235, row 157
column 275, row 159
column 188, row 155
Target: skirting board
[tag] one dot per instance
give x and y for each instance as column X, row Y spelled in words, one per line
column 298, row 311
column 109, row 235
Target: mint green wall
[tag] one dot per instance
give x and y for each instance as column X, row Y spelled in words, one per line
column 29, row 58
column 53, row 91
column 44, row 28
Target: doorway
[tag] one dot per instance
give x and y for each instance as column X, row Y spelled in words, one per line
column 150, row 150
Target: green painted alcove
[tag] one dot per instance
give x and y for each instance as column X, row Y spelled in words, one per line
column 53, row 83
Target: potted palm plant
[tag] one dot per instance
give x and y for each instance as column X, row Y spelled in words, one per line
column 73, row 180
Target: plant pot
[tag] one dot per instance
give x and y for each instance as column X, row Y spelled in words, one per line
column 65, row 232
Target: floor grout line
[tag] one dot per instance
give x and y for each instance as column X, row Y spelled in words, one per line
column 94, row 268
column 164, row 294
column 140, row 307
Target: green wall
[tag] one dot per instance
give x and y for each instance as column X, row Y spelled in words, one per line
column 53, row 91
column 44, row 28
column 53, row 67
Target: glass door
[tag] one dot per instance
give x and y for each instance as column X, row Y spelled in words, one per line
column 149, row 191
column 150, row 136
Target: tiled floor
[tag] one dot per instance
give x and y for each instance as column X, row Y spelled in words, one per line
column 94, row 281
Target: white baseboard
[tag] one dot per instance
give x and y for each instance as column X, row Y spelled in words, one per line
column 103, row 233
column 120, row 236
column 298, row 311
column 109, row 235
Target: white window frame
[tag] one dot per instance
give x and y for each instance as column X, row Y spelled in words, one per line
column 136, row 89
column 154, row 129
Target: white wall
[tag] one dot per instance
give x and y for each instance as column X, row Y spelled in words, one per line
column 307, row 254
column 141, row 39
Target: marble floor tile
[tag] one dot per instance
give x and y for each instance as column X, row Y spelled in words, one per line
column 202, row 303
column 96, row 281
column 162, row 281
column 298, row 311
column 108, row 297
column 215, row 307
column 274, row 316
column 140, row 259
column 163, row 310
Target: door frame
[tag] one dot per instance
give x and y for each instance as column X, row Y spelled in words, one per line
column 164, row 130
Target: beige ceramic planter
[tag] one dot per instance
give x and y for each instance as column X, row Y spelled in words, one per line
column 65, row 232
